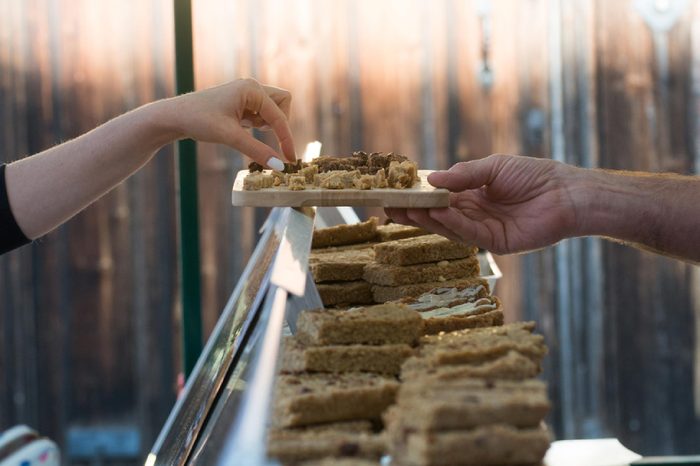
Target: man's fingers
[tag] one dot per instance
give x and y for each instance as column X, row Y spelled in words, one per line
column 466, row 229
column 275, row 117
column 399, row 216
column 422, row 218
column 256, row 150
column 467, row 175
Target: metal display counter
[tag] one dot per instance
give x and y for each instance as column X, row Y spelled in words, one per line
column 221, row 416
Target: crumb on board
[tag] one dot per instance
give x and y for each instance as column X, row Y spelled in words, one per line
column 296, row 182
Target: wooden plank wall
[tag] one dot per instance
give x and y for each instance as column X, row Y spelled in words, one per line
column 89, row 314
column 644, row 123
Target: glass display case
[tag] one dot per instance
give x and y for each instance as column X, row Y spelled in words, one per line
column 221, row 416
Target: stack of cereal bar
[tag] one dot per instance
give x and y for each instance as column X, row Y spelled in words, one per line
column 470, row 398
column 365, row 263
column 411, row 266
column 338, row 375
column 339, row 255
column 337, row 262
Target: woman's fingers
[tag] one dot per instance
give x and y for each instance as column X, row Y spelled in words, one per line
column 260, row 109
column 276, row 118
column 281, row 97
column 243, row 141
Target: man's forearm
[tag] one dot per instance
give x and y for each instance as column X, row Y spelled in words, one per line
column 46, row 189
column 659, row 212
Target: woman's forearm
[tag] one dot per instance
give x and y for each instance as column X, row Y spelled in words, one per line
column 659, row 212
column 48, row 188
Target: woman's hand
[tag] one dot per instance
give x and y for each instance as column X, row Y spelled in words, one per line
column 222, row 115
column 48, row 188
column 502, row 203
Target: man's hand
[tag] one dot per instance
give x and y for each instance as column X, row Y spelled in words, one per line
column 502, row 203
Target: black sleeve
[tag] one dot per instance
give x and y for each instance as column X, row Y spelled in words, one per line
column 11, row 236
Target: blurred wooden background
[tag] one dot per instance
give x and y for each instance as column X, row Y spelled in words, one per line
column 89, row 314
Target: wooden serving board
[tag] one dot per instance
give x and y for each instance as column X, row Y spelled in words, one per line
column 421, row 195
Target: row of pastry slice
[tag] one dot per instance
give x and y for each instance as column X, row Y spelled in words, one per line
column 470, row 397
column 365, row 263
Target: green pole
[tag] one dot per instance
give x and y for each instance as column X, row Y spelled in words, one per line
column 187, row 198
